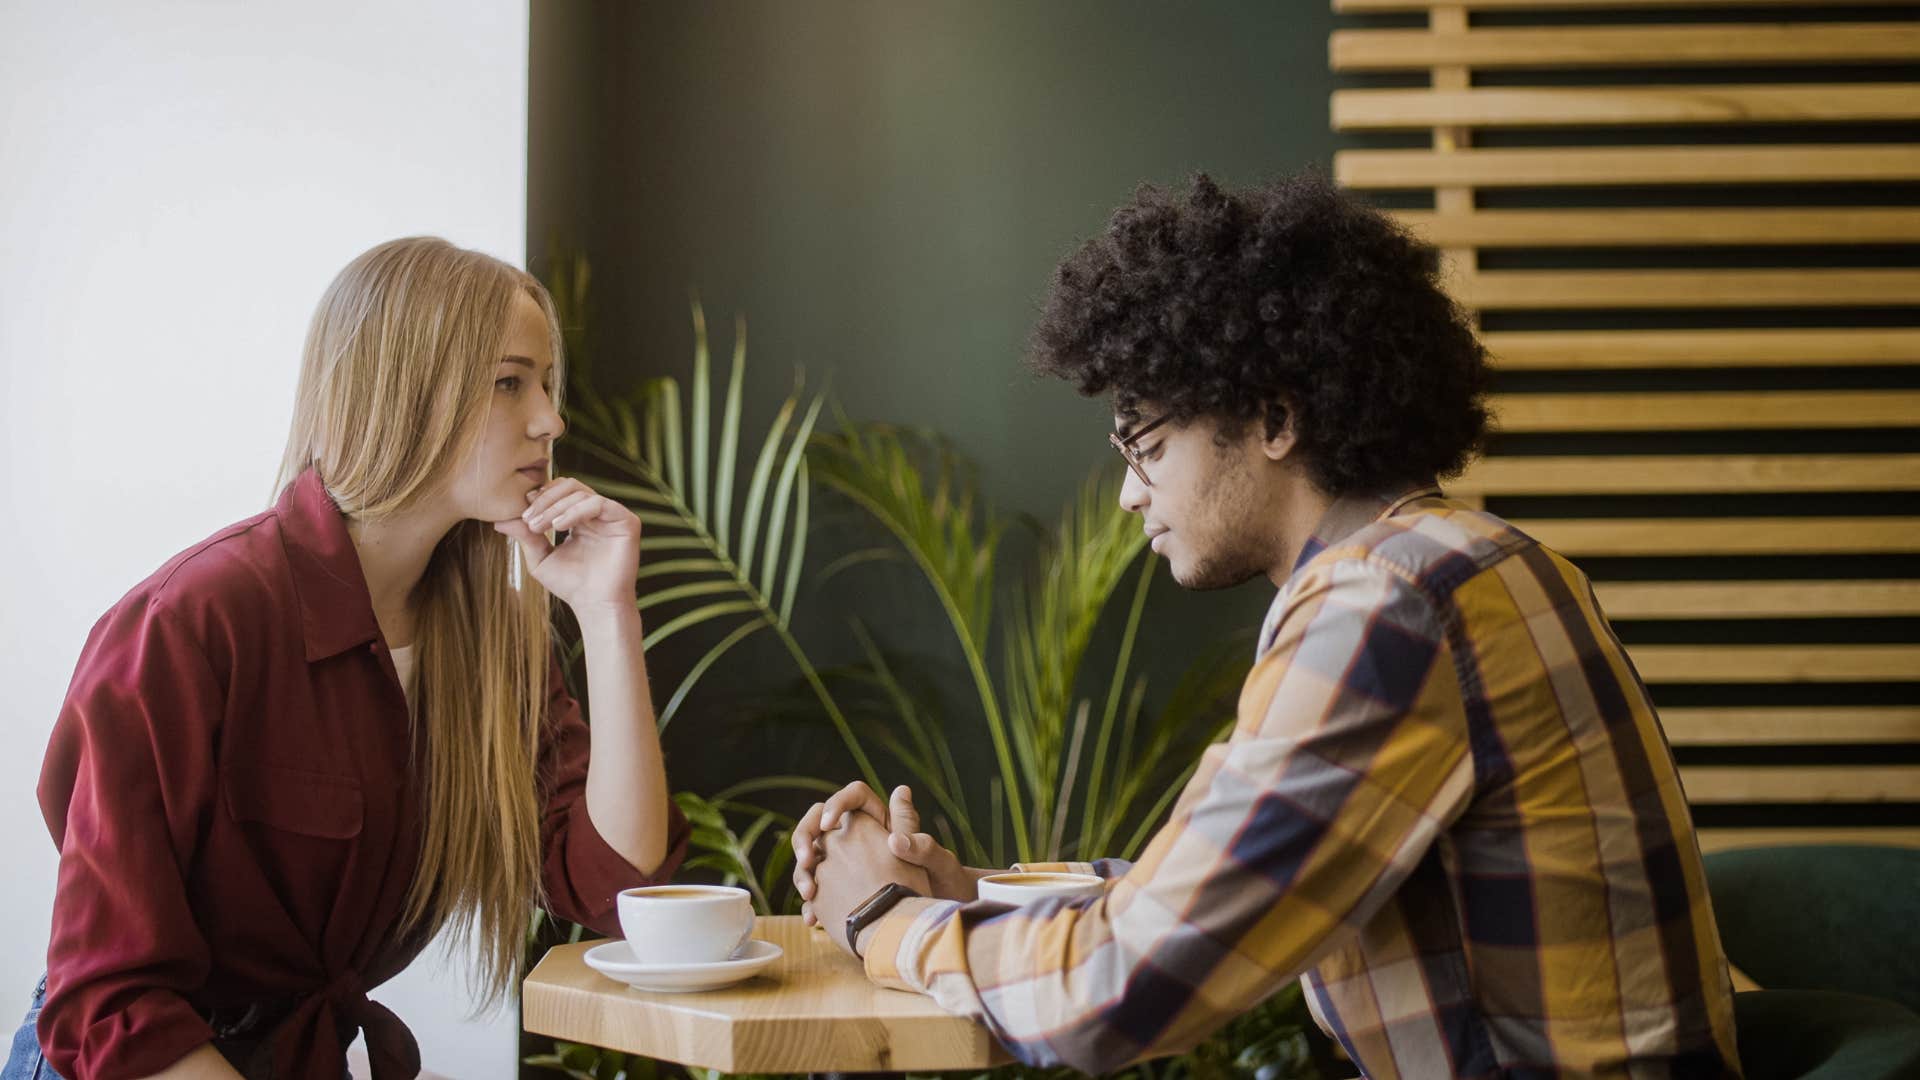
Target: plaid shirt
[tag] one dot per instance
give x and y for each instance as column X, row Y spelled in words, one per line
column 1447, row 806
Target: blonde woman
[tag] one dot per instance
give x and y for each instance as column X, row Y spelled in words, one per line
column 309, row 743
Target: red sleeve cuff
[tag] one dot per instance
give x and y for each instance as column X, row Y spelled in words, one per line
column 596, row 874
column 153, row 1031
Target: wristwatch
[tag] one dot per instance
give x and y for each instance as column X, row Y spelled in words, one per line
column 872, row 908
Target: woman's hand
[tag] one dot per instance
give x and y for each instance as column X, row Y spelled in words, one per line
column 594, row 567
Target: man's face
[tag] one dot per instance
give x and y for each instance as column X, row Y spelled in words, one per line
column 1207, row 508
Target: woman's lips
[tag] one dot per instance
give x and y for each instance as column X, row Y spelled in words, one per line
column 535, row 473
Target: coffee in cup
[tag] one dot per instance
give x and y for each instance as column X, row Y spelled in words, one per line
column 1025, row 888
column 685, row 924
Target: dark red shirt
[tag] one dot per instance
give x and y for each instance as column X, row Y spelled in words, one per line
column 230, row 788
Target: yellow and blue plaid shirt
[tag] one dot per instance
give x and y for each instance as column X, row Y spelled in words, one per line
column 1447, row 806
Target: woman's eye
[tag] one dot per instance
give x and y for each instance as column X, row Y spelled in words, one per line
column 509, row 383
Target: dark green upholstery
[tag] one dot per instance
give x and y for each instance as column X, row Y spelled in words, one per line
column 1822, row 917
column 1833, row 933
column 1821, row 1035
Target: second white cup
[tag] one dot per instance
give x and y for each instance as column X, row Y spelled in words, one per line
column 1024, row 888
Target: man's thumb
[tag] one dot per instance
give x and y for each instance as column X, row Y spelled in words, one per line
column 903, row 819
column 916, row 848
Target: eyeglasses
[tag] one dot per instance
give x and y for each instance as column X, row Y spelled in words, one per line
column 1129, row 450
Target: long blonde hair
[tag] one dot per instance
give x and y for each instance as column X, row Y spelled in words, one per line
column 395, row 383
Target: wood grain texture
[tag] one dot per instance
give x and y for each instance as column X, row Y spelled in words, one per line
column 1665, row 228
column 813, row 1011
column 1579, row 537
column 1730, row 839
column 1690, row 473
column 1721, row 784
column 1759, row 600
column 1776, row 663
column 1399, row 110
column 1717, row 45
column 1707, row 411
column 1538, row 350
column 1523, row 290
column 1559, row 166
column 1357, row 7
column 1771, row 726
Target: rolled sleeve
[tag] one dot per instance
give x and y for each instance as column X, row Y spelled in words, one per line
column 126, row 788
column 582, row 873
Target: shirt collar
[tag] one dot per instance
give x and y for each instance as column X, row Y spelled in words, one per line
column 1348, row 515
column 336, row 609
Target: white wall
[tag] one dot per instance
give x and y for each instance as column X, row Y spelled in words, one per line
column 178, row 182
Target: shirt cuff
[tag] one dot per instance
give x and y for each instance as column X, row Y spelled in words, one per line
column 892, row 953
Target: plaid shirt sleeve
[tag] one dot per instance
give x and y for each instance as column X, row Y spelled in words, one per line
column 1350, row 756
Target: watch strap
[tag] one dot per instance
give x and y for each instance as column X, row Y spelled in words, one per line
column 870, row 910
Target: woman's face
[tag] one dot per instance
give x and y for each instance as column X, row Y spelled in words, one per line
column 510, row 458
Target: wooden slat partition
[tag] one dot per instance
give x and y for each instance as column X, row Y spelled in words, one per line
column 1399, row 110
column 1563, row 166
column 1700, row 355
column 1590, row 349
column 1650, row 228
column 1358, row 7
column 1729, row 411
column 1795, row 727
column 1759, row 599
column 1693, row 537
column 1716, row 45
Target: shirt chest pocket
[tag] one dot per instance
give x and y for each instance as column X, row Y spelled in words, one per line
column 295, row 800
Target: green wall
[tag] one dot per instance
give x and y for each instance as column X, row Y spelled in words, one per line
column 882, row 190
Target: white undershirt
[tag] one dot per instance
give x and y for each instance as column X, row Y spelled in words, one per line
column 403, row 667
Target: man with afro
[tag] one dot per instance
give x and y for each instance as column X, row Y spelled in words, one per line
column 1448, row 806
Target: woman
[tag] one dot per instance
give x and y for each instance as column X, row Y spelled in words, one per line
column 309, row 743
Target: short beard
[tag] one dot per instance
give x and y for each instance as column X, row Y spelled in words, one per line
column 1222, row 572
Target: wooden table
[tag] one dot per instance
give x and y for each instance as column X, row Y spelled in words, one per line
column 812, row 1011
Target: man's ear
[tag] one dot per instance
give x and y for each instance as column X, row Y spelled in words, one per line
column 1279, row 445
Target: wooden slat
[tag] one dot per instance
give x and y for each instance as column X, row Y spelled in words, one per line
column 1398, row 110
column 1730, row 839
column 1730, row 411
column 1801, row 783
column 1554, row 349
column 1655, row 228
column 1587, row 289
column 1584, row 538
column 1557, row 166
column 1776, row 663
column 1692, row 473
column 1791, row 727
column 1359, row 7
column 1759, row 599
column 1715, row 45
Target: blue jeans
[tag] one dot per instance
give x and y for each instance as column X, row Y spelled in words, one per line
column 24, row 1061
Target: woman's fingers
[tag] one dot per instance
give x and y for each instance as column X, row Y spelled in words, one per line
column 542, row 499
column 533, row 546
column 560, row 513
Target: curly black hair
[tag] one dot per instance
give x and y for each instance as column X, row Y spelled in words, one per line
column 1241, row 305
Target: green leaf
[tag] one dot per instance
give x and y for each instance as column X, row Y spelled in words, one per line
column 692, row 677
column 696, row 617
column 700, row 420
column 729, row 439
column 682, row 592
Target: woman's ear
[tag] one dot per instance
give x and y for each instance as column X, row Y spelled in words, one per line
column 1280, row 434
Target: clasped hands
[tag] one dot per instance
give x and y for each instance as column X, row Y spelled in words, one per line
column 846, row 848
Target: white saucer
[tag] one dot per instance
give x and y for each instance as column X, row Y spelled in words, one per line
column 614, row 960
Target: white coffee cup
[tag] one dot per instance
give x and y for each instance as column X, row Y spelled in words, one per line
column 1025, row 888
column 685, row 924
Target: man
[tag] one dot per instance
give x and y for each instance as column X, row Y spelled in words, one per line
column 1447, row 804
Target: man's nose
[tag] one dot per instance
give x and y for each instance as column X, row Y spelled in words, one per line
column 1134, row 495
